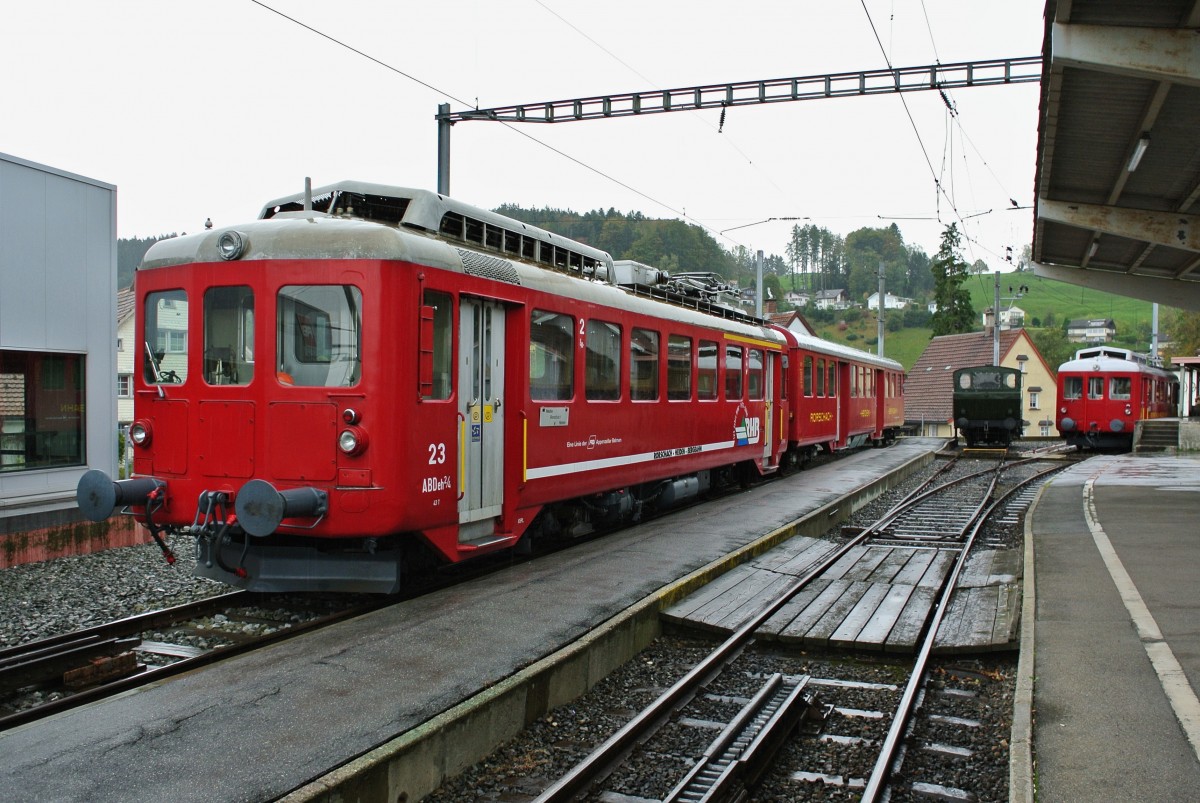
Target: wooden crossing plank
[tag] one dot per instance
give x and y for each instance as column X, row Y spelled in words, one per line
column 802, row 563
column 867, row 563
column 907, row 629
column 1007, row 566
column 892, row 565
column 950, row 631
column 803, row 622
column 681, row 610
column 710, row 615
column 938, row 568
column 773, row 626
column 789, row 551
column 737, row 616
column 980, row 619
column 846, row 634
column 821, row 631
column 978, row 568
column 1008, row 616
column 876, row 631
column 845, row 563
column 914, row 569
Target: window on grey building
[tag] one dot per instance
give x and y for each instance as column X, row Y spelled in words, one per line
column 41, row 410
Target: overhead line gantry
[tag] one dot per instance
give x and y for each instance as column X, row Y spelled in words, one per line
column 720, row 96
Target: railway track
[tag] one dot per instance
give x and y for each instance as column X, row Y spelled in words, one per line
column 905, row 760
column 53, row 674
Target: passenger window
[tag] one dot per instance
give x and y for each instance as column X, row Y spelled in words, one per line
column 754, row 375
column 436, row 346
column 1119, row 388
column 831, row 388
column 165, row 348
column 820, row 377
column 603, row 377
column 679, row 367
column 706, row 376
column 733, row 372
column 643, row 365
column 228, row 335
column 318, row 336
column 551, row 356
column 808, row 376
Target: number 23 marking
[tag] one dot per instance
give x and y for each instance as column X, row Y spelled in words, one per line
column 437, row 454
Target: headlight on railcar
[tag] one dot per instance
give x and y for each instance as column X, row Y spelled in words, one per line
column 140, row 433
column 231, row 245
column 352, row 440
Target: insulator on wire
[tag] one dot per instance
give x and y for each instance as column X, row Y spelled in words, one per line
column 721, row 122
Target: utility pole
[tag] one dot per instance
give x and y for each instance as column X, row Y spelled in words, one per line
column 443, row 165
column 996, row 324
column 881, row 308
column 758, row 293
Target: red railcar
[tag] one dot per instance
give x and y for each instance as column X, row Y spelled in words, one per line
column 1105, row 391
column 840, row 397
column 369, row 376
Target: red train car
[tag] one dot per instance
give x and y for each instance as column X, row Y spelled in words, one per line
column 369, row 378
column 841, row 397
column 1105, row 391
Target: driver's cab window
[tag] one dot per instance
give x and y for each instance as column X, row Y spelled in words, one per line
column 318, row 335
column 165, row 346
column 228, row 335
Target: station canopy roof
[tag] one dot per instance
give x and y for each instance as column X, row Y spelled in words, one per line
column 1118, row 164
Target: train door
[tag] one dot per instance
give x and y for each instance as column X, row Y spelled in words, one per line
column 768, row 425
column 481, row 435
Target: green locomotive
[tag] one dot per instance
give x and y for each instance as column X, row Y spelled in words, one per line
column 987, row 405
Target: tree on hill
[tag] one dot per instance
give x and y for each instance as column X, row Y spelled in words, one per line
column 954, row 314
column 129, row 255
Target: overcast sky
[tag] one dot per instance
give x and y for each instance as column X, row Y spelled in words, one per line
column 209, row 109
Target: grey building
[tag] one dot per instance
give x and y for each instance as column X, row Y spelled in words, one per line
column 58, row 276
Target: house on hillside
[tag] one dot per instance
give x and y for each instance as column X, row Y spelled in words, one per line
column 797, row 299
column 1010, row 318
column 1091, row 330
column 929, row 387
column 832, row 299
column 792, row 321
column 889, row 301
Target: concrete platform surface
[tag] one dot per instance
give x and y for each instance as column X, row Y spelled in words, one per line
column 1117, row 633
column 255, row 727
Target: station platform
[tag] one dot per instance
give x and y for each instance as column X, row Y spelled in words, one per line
column 1111, row 665
column 364, row 692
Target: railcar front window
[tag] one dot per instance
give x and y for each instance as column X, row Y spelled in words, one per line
column 1073, row 388
column 228, row 335
column 551, row 356
column 165, row 348
column 1119, row 388
column 643, row 367
column 1095, row 387
column 603, row 376
column 319, row 335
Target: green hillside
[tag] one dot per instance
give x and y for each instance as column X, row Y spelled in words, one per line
column 1049, row 303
